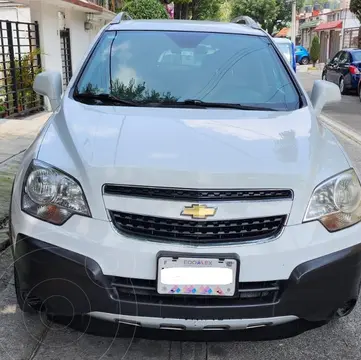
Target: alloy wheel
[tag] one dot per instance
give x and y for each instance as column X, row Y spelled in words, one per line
column 304, row 61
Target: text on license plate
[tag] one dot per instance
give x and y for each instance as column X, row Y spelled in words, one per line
column 196, row 276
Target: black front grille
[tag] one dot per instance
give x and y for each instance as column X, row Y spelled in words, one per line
column 196, row 195
column 198, row 231
column 249, row 293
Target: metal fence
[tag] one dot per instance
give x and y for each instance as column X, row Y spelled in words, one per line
column 20, row 62
column 350, row 38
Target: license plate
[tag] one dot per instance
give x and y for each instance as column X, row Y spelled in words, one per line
column 197, row 276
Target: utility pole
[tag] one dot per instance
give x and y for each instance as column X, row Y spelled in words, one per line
column 293, row 23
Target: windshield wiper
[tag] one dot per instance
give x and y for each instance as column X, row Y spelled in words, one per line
column 200, row 103
column 106, row 98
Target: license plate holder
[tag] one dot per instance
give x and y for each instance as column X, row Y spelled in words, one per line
column 213, row 275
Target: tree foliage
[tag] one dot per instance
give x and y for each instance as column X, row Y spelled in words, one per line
column 263, row 11
column 198, row 9
column 315, row 50
column 145, row 9
column 271, row 14
column 355, row 7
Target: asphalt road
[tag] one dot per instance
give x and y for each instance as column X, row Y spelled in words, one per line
column 347, row 112
column 24, row 337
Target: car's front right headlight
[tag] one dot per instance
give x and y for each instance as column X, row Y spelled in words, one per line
column 51, row 195
column 336, row 203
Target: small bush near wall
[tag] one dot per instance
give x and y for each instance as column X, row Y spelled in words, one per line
column 145, row 9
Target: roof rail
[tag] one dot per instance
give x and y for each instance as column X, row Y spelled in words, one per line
column 246, row 20
column 122, row 16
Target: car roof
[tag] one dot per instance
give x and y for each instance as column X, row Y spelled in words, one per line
column 351, row 49
column 282, row 40
column 186, row 25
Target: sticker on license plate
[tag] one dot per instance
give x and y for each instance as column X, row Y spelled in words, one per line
column 196, row 276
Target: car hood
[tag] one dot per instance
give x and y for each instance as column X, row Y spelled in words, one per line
column 190, row 148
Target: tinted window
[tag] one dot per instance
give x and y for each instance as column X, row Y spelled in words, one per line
column 344, row 58
column 356, row 56
column 158, row 67
column 336, row 59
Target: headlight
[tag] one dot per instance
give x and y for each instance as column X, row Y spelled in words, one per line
column 336, row 203
column 51, row 195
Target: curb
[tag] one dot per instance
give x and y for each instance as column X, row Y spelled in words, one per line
column 343, row 129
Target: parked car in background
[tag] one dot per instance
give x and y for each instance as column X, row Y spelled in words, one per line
column 344, row 70
column 302, row 55
column 287, row 49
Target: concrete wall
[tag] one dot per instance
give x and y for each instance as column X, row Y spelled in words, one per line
column 50, row 24
column 351, row 20
column 15, row 13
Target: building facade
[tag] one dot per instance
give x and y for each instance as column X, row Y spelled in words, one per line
column 66, row 28
column 336, row 29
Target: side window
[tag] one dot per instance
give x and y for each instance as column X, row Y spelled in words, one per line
column 336, row 58
column 344, row 58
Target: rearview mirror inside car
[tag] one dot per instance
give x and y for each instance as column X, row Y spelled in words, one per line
column 323, row 93
column 49, row 84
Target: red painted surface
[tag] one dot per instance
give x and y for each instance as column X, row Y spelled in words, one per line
column 329, row 26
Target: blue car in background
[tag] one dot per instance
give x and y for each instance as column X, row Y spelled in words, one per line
column 302, row 55
column 287, row 49
column 344, row 69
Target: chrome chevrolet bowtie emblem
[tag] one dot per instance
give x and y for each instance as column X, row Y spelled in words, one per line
column 199, row 211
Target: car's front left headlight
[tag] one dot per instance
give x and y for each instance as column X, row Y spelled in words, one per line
column 51, row 195
column 336, row 203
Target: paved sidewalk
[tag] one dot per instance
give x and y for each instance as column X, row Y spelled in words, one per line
column 17, row 135
column 15, row 138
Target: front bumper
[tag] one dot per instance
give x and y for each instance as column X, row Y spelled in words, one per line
column 69, row 283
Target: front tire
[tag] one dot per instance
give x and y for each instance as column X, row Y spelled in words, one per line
column 324, row 77
column 305, row 60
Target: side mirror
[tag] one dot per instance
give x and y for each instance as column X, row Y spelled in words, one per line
column 324, row 92
column 49, row 84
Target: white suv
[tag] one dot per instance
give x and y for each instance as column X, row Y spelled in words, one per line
column 195, row 193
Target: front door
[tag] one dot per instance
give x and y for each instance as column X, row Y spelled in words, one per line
column 331, row 68
column 343, row 69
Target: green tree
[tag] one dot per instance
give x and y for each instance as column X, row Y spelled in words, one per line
column 271, row 14
column 265, row 12
column 284, row 14
column 145, row 9
column 206, row 9
column 355, row 7
column 315, row 50
column 198, row 9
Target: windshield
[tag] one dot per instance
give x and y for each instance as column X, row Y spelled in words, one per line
column 155, row 67
column 356, row 55
column 286, row 51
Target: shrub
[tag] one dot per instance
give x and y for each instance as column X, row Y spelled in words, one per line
column 145, row 9
column 315, row 50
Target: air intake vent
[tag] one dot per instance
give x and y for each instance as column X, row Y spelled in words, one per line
column 145, row 291
column 198, row 232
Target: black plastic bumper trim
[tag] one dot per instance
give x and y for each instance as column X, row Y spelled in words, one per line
column 313, row 292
